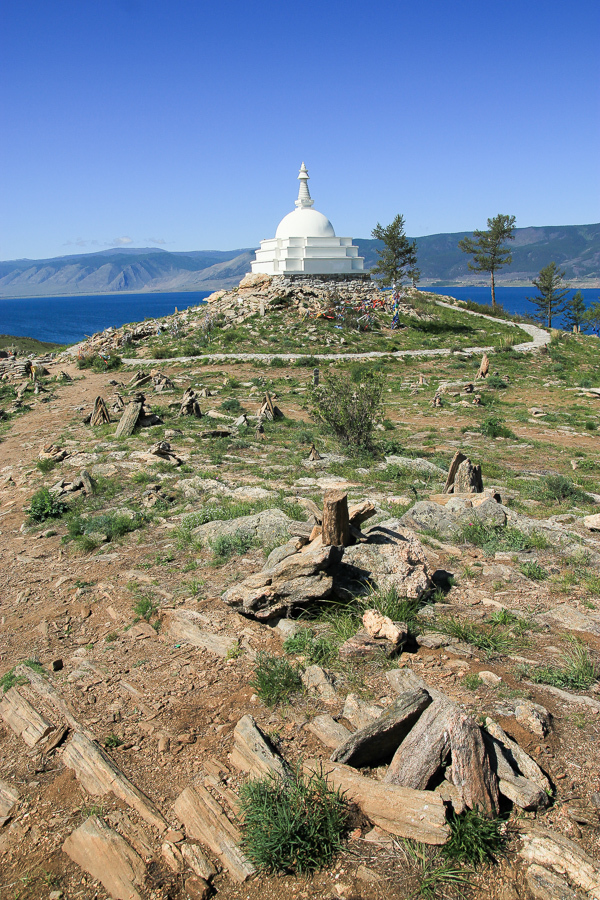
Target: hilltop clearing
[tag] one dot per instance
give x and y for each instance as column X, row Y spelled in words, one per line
column 175, row 621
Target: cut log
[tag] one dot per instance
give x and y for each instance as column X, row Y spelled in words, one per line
column 100, row 413
column 184, row 625
column 23, row 718
column 471, row 768
column 377, row 742
column 328, row 731
column 484, row 368
column 253, row 752
column 424, row 749
column 205, row 821
column 468, row 478
column 336, row 522
column 419, row 815
column 98, row 775
column 519, row 759
column 129, row 419
column 555, row 851
column 106, row 856
column 197, row 861
column 457, row 459
column 519, row 790
column 361, row 512
column 9, row 795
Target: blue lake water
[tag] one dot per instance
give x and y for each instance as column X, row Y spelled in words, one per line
column 513, row 299
column 65, row 320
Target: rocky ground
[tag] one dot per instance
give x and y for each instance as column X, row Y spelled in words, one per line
column 132, row 625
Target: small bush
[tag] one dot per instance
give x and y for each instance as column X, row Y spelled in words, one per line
column 45, row 505
column 351, row 410
column 46, row 465
column 316, row 650
column 494, row 381
column 557, row 488
column 294, row 825
column 111, row 525
column 474, row 839
column 100, row 362
column 278, row 363
column 145, row 608
column 9, row 679
column 492, row 538
column 491, row 639
column 232, row 405
column 113, row 741
column 494, row 427
column 275, row 679
column 534, row 571
column 226, row 545
column 306, row 361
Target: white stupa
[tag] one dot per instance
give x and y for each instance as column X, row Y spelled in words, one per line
column 305, row 243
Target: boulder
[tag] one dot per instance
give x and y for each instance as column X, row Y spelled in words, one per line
column 268, row 527
column 450, row 519
column 297, row 580
column 107, row 857
column 360, row 713
column 418, row 466
column 592, row 523
column 552, row 850
column 389, row 557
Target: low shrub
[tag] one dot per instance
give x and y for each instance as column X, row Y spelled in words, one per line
column 316, row 650
column 294, row 825
column 227, row 545
column 350, row 409
column 557, row 488
column 474, row 839
column 492, row 538
column 494, row 427
column 275, row 679
column 44, row 505
column 232, row 405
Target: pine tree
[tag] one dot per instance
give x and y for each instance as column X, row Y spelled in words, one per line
column 487, row 250
column 398, row 257
column 592, row 317
column 574, row 315
column 552, row 293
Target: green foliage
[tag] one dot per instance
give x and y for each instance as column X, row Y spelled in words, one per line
column 533, row 570
column 350, row 410
column 474, row 839
column 494, row 381
column 99, row 362
column 310, row 362
column 574, row 314
column 275, row 679
column 9, row 679
column 35, row 664
column 294, row 825
column 492, row 538
column 494, row 427
column 316, row 650
column 145, row 607
column 472, row 681
column 227, row 545
column 433, row 872
column 550, row 300
column 488, row 247
column 398, row 257
column 113, row 741
column 592, row 317
column 111, row 525
column 557, row 488
column 46, row 465
column 232, row 405
column 491, row 639
column 578, row 672
column 44, row 505
column 278, row 363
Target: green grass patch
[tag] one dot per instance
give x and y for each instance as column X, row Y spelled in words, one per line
column 474, row 839
column 495, row 638
column 578, row 672
column 44, row 505
column 274, row 679
column 534, row 571
column 296, row 825
column 227, row 545
column 493, row 538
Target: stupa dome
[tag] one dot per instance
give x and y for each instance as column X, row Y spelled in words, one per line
column 304, row 222
column 306, row 244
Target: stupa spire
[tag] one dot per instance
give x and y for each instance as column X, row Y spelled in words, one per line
column 304, row 200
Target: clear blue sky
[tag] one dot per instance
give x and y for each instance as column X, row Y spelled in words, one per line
column 182, row 124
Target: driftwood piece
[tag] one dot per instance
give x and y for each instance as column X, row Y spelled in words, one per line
column 23, row 718
column 205, row 821
column 253, row 752
column 45, row 690
column 420, row 815
column 184, row 625
column 519, row 759
column 9, row 795
column 129, row 419
column 468, row 478
column 377, row 742
column 98, row 774
column 100, row 413
column 361, row 512
column 336, row 522
column 471, row 768
column 457, row 459
column 484, row 368
column 555, row 851
column 424, row 749
column 107, row 857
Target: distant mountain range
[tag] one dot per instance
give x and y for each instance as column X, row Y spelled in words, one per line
column 575, row 248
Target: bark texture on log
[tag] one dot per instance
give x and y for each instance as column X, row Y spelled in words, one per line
column 420, row 815
column 107, row 857
column 468, row 478
column 484, row 368
column 253, row 752
column 555, row 851
column 205, row 821
column 457, row 459
column 100, row 413
column 129, row 419
column 361, row 512
column 98, row 774
column 377, row 742
column 424, row 749
column 23, row 718
column 471, row 768
column 336, row 521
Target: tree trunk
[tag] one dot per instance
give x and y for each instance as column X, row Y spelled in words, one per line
column 129, row 419
column 336, row 521
column 493, row 290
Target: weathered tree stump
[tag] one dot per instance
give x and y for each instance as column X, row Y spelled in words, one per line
column 314, row 454
column 457, row 459
column 336, row 521
column 471, row 768
column 129, row 419
column 468, row 479
column 100, row 414
column 190, row 405
column 484, row 368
